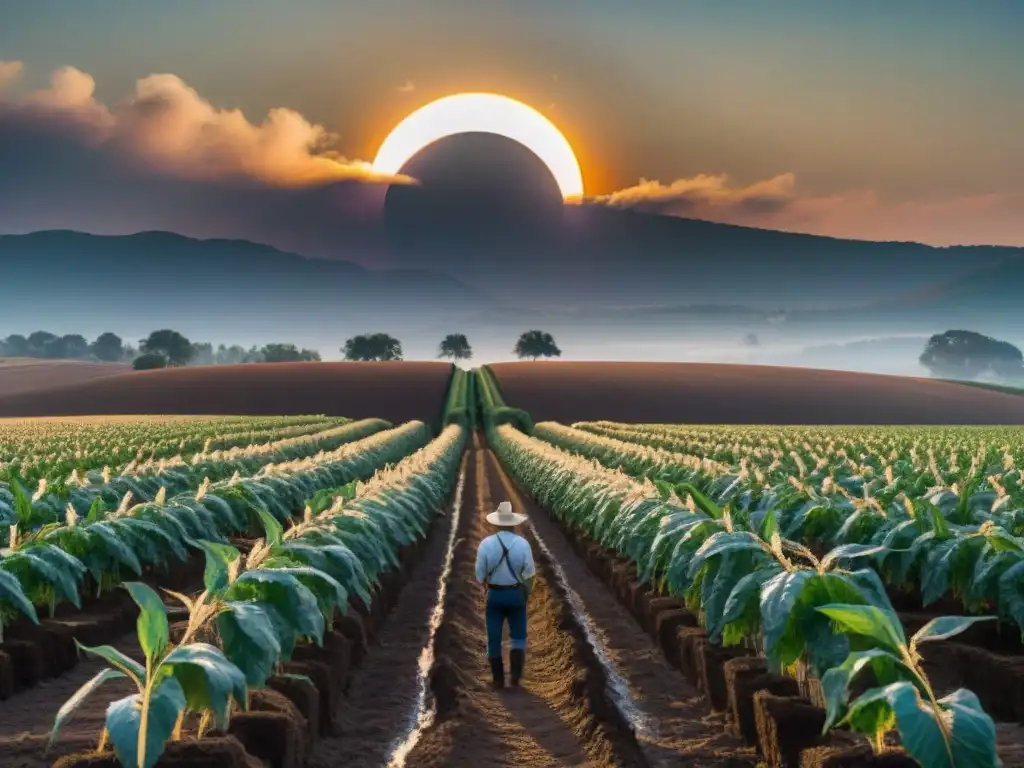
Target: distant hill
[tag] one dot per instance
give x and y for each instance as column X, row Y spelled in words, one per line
column 601, row 276
column 597, row 254
column 232, row 291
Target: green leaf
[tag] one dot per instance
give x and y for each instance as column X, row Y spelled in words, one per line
column 869, row 621
column 917, row 723
column 974, row 733
column 295, row 603
column 124, row 719
column 703, row 503
column 272, row 530
column 219, row 558
column 207, row 678
column 12, row 594
column 120, row 661
column 721, row 543
column 835, row 683
column 769, row 525
column 152, row 623
column 664, row 489
column 778, row 598
column 744, row 594
column 250, row 640
column 114, row 546
column 328, row 591
column 97, row 510
column 945, row 627
column 65, row 713
column 937, row 521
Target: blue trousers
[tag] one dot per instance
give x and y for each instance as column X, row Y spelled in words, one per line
column 505, row 605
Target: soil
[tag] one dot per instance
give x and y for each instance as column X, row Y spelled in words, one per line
column 22, row 374
column 559, row 715
column 26, row 718
column 675, row 726
column 396, row 391
column 376, row 710
column 705, row 393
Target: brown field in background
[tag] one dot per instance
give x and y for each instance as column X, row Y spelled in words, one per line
column 704, row 393
column 396, row 391
column 26, row 374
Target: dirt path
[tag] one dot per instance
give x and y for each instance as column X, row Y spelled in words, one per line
column 559, row 716
column 678, row 727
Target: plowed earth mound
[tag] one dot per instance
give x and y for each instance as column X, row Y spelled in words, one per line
column 20, row 374
column 702, row 393
column 396, row 391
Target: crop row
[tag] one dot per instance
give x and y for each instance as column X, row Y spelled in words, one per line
column 48, row 564
column 961, row 539
column 176, row 475
column 819, row 615
column 257, row 608
column 944, row 452
column 53, row 448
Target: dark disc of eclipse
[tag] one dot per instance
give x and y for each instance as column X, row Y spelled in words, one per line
column 475, row 189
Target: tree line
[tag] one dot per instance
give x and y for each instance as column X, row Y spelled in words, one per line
column 167, row 347
column 158, row 350
column 454, row 346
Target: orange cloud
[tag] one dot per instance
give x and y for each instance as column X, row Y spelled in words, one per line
column 169, row 127
column 703, row 191
column 776, row 203
column 9, row 72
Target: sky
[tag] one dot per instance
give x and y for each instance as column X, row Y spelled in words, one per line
column 866, row 119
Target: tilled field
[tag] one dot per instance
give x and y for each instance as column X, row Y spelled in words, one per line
column 615, row 675
column 707, row 393
column 396, row 391
column 596, row 691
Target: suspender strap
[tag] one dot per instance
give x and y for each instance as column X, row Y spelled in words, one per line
column 504, row 558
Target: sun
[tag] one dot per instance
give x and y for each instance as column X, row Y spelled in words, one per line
column 483, row 113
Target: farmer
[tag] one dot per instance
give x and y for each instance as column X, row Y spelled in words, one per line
column 504, row 563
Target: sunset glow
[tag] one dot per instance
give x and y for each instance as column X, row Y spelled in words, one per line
column 483, row 113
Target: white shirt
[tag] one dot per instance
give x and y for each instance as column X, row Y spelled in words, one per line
column 488, row 557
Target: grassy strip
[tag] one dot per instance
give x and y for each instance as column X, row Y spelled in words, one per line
column 494, row 409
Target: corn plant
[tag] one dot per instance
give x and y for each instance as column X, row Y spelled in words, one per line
column 731, row 564
column 948, row 732
column 174, row 680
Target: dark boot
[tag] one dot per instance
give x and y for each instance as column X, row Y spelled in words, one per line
column 516, row 661
column 497, row 672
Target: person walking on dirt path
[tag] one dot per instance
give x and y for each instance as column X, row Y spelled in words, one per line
column 504, row 563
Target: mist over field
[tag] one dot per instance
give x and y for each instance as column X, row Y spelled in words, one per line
column 241, row 292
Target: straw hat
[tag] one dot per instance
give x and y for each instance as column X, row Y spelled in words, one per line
column 504, row 516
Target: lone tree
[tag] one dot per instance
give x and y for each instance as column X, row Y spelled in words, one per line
column 455, row 346
column 967, row 355
column 375, row 346
column 534, row 344
column 288, row 353
column 108, row 347
column 175, row 348
column 149, row 361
